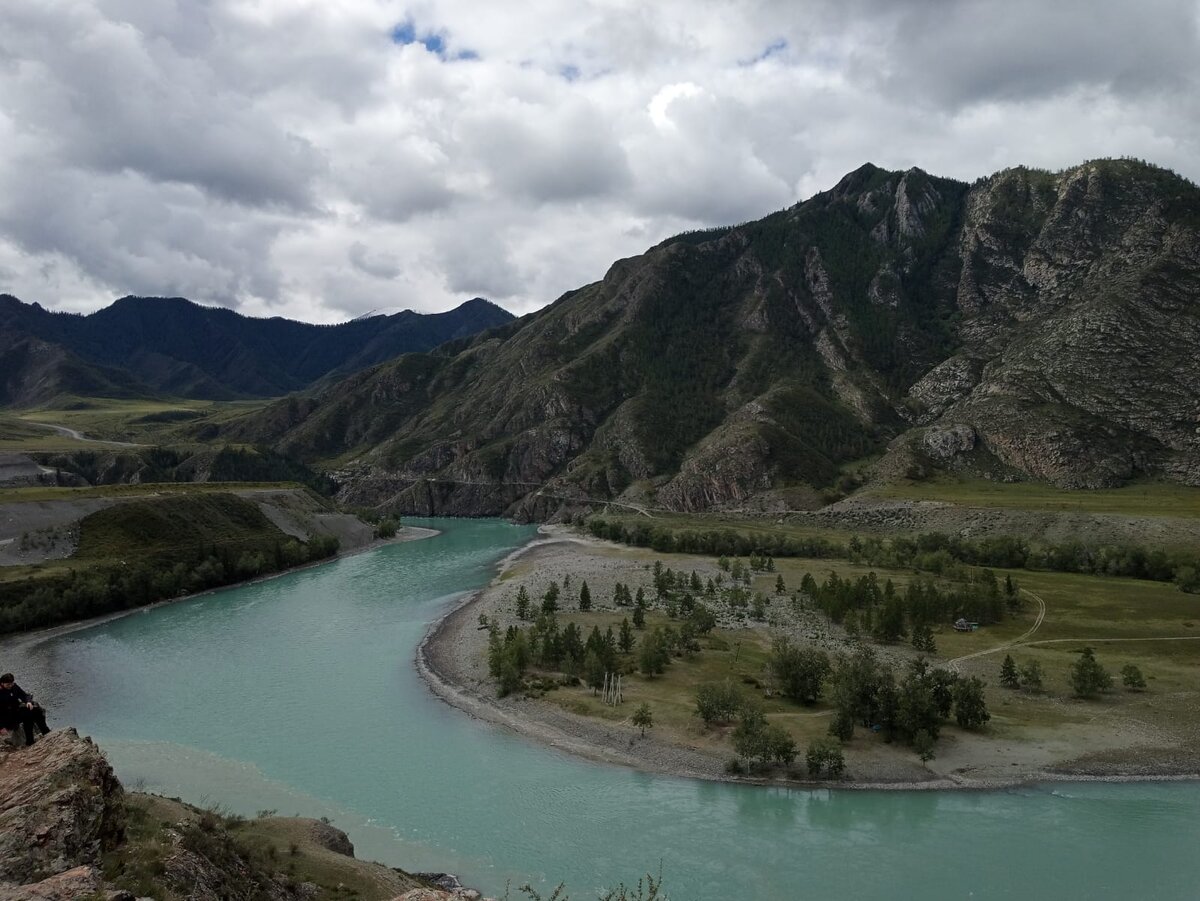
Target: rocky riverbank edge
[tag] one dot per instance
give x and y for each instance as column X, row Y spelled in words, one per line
column 443, row 660
column 20, row 641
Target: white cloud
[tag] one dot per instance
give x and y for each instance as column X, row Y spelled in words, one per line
column 319, row 160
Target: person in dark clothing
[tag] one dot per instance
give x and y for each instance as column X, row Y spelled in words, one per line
column 17, row 708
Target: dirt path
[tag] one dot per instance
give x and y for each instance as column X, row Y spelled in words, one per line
column 1021, row 639
column 79, row 436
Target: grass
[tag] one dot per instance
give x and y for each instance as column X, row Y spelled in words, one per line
column 38, row 493
column 1081, row 610
column 739, row 655
column 172, row 421
column 1136, row 499
column 233, row 848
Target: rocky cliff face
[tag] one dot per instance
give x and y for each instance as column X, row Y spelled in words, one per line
column 60, row 808
column 68, row 831
column 1044, row 323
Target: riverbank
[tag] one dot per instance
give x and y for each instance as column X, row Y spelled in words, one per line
column 452, row 661
column 22, row 641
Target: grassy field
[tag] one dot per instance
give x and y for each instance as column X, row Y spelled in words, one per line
column 1137, row 499
column 137, row 421
column 37, row 493
column 1080, row 611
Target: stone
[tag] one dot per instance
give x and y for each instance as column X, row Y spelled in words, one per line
column 60, row 807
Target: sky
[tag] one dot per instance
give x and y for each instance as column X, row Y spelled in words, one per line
column 321, row 160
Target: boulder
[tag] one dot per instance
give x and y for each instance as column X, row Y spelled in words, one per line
column 60, row 807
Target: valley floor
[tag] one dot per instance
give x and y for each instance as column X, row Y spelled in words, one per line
column 1039, row 738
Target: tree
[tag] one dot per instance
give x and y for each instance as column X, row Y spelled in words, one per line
column 1132, row 678
column 780, row 587
column 1031, row 676
column 889, row 626
column 970, row 706
column 917, row 705
column 1008, row 673
column 654, row 655
column 640, row 600
column 825, row 754
column 723, row 563
column 550, row 599
column 643, row 718
column 1088, row 677
column 750, row 734
column 717, row 702
column 585, row 597
column 594, row 670
column 626, row 640
column 923, row 744
column 842, row 726
column 922, row 639
column 639, row 613
column 801, row 672
column 522, row 603
column 780, row 745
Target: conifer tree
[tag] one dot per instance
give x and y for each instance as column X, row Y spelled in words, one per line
column 1008, row 673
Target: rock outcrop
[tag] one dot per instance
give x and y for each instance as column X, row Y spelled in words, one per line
column 60, row 808
column 69, row 831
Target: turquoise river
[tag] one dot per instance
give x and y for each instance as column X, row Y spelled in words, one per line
column 299, row 694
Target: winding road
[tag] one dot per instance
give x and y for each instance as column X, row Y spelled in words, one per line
column 79, row 436
column 1021, row 639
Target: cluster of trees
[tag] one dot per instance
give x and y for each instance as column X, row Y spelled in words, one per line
column 549, row 647
column 934, row 552
column 712, row 542
column 887, row 614
column 910, row 708
column 754, row 739
column 109, row 586
column 937, row 552
column 1088, row 676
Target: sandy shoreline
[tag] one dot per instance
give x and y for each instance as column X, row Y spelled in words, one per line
column 23, row 641
column 449, row 660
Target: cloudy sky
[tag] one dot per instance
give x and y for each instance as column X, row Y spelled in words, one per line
column 323, row 159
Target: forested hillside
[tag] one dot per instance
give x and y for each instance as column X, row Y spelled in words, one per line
column 1033, row 324
column 171, row 346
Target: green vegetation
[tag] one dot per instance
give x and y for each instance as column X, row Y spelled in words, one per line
column 1088, row 677
column 1135, row 499
column 267, row 856
column 138, row 552
column 933, row 552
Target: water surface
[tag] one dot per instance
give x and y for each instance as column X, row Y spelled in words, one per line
column 299, row 694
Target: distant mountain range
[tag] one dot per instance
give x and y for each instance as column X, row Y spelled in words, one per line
column 142, row 346
column 1030, row 325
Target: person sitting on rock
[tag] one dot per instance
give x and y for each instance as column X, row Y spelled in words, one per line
column 17, row 707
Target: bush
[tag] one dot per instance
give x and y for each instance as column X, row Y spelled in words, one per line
column 717, row 702
column 1088, row 677
column 1132, row 678
column 825, row 754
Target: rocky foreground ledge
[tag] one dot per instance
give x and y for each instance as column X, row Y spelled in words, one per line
column 68, row 830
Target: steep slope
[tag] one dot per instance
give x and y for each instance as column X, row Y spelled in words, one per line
column 180, row 348
column 1035, row 323
column 33, row 372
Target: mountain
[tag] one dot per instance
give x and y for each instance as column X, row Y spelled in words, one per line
column 1030, row 325
column 33, row 372
column 175, row 347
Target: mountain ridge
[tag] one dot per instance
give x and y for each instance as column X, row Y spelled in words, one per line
column 1029, row 325
column 174, row 346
